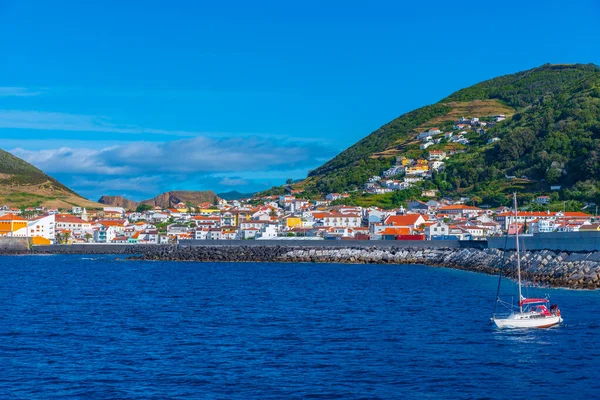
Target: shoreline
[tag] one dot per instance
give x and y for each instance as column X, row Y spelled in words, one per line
column 544, row 267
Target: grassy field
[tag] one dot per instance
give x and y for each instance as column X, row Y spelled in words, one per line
column 46, row 195
column 477, row 108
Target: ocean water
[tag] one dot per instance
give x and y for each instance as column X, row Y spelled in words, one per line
column 102, row 328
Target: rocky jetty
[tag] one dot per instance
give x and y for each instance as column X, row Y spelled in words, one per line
column 575, row 270
column 544, row 267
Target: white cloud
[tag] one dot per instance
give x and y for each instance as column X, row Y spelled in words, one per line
column 55, row 121
column 7, row 91
column 187, row 156
column 227, row 181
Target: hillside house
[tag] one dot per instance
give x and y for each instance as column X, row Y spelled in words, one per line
column 543, row 200
column 416, row 205
column 437, row 155
column 436, row 166
column 333, row 196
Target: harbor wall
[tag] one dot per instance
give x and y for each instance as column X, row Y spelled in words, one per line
column 13, row 245
column 455, row 244
column 555, row 241
column 574, row 270
column 109, row 248
column 577, row 270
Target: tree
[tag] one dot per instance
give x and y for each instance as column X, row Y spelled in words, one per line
column 476, row 200
column 289, row 181
column 143, row 207
column 88, row 236
column 553, row 175
column 190, row 207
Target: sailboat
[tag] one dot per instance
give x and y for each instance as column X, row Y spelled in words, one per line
column 533, row 312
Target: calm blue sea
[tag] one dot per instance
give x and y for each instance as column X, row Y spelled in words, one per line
column 100, row 328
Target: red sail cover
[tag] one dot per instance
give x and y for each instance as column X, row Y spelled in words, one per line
column 531, row 301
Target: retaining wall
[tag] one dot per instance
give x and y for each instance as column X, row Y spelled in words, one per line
column 555, row 241
column 12, row 245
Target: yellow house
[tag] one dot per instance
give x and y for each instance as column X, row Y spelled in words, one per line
column 422, row 165
column 207, row 211
column 404, row 161
column 293, row 222
column 10, row 225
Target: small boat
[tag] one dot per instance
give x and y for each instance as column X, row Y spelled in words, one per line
column 532, row 313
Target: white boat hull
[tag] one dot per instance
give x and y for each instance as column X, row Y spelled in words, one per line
column 527, row 320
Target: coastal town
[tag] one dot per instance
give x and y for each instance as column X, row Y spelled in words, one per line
column 291, row 216
column 288, row 217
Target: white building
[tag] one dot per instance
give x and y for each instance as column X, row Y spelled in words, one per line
column 268, row 231
column 71, row 223
column 42, row 226
column 437, row 229
column 114, row 212
column 201, row 233
column 335, row 219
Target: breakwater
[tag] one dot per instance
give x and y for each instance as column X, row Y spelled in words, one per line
column 575, row 270
column 556, row 269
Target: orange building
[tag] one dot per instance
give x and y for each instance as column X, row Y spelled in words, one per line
column 10, row 225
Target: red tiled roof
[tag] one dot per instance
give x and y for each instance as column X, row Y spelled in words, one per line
column 115, row 222
column 395, row 231
column 402, row 220
column 62, row 218
column 11, row 217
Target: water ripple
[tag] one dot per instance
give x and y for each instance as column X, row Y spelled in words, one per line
column 97, row 328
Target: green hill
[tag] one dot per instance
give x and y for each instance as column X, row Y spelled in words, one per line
column 551, row 137
column 23, row 185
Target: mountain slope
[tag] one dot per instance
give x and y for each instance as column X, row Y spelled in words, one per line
column 23, row 185
column 118, row 201
column 169, row 199
column 552, row 138
column 164, row 200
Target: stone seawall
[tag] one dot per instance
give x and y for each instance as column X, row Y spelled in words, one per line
column 14, row 245
column 576, row 270
column 555, row 269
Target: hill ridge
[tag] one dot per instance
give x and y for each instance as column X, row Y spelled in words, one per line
column 554, row 110
column 23, row 185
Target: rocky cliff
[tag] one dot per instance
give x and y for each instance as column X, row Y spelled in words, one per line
column 169, row 199
column 118, row 201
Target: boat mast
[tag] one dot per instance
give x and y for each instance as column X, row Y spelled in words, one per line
column 517, row 248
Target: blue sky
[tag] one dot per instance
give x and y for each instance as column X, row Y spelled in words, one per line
column 139, row 97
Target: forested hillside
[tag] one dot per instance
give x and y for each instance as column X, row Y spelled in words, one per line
column 551, row 138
